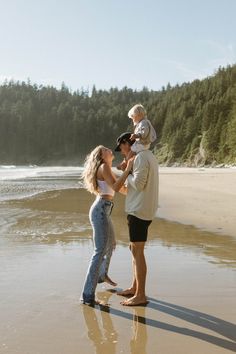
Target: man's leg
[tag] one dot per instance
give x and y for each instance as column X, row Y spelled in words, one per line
column 138, row 229
column 139, row 297
column 132, row 289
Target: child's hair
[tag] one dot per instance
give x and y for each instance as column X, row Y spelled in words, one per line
column 91, row 165
column 137, row 109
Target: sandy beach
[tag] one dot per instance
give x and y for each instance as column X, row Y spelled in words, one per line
column 203, row 197
column 46, row 246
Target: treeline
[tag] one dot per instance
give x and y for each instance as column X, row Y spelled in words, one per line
column 195, row 122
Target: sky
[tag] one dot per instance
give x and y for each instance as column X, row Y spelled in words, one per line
column 115, row 43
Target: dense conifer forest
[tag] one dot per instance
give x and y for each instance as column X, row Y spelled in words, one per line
column 195, row 122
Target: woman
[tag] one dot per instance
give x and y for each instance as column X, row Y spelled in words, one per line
column 100, row 180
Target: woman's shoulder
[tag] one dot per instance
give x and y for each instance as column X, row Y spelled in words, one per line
column 103, row 168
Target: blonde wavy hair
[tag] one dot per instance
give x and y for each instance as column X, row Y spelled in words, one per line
column 137, row 109
column 91, row 165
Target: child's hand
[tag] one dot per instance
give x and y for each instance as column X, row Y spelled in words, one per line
column 133, row 136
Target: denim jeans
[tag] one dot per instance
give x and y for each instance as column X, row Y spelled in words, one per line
column 103, row 240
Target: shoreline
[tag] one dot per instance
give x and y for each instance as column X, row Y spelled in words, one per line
column 76, row 164
column 204, row 198
column 62, row 216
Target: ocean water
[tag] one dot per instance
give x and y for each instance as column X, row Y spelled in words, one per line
column 21, row 183
column 17, row 182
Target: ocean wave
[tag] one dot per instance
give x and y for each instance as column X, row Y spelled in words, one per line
column 17, row 196
column 20, row 172
column 21, row 183
column 8, row 166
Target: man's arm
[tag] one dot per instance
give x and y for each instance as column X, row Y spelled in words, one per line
column 139, row 177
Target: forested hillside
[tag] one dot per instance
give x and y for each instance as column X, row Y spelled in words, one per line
column 195, row 122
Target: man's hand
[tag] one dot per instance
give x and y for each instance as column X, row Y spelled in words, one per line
column 122, row 165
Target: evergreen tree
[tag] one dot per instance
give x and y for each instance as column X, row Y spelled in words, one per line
column 195, row 122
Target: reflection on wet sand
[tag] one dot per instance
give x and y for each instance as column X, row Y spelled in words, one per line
column 138, row 342
column 104, row 337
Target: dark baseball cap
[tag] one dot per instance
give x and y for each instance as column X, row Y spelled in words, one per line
column 123, row 138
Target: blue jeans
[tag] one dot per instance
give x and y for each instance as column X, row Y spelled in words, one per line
column 103, row 239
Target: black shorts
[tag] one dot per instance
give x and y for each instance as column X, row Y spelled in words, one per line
column 138, row 228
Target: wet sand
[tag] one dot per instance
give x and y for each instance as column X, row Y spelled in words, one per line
column 191, row 284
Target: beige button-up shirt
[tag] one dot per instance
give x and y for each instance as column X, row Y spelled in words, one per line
column 142, row 195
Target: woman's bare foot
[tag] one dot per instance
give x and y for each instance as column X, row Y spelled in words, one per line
column 101, row 303
column 135, row 301
column 127, row 292
column 109, row 281
column 95, row 302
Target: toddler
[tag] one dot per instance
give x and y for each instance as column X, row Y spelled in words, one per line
column 144, row 133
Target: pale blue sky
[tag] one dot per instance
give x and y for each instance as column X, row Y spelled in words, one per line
column 110, row 43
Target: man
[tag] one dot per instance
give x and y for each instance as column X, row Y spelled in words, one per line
column 141, row 207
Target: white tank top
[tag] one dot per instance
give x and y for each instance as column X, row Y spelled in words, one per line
column 104, row 188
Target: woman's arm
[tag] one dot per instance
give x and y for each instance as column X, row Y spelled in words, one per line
column 116, row 184
column 123, row 190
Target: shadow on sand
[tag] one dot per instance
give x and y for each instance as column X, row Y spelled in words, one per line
column 217, row 325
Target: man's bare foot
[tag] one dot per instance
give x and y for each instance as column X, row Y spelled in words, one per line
column 127, row 292
column 109, row 281
column 135, row 301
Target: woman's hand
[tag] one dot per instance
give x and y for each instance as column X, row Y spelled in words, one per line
column 130, row 163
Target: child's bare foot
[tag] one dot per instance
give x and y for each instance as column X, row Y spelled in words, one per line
column 109, row 281
column 126, row 292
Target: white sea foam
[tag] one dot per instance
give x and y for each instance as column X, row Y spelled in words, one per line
column 7, row 166
column 12, row 172
column 25, row 181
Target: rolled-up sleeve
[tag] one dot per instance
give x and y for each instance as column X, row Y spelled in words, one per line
column 139, row 177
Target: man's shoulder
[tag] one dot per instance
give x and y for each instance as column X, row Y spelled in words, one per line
column 146, row 156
